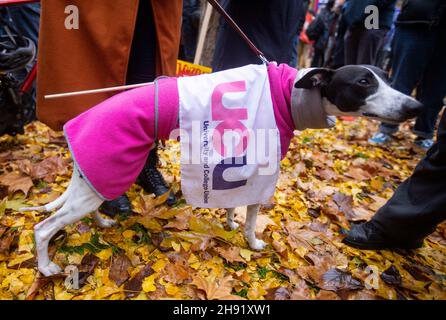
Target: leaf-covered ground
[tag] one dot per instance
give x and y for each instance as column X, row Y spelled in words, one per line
column 329, row 180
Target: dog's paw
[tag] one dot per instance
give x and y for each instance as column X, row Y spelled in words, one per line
column 50, row 269
column 257, row 244
column 106, row 223
column 233, row 225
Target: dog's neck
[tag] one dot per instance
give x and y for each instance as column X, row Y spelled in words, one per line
column 311, row 110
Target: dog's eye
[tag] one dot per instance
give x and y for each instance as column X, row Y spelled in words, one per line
column 364, row 82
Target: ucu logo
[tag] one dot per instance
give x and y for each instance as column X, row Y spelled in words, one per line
column 230, row 121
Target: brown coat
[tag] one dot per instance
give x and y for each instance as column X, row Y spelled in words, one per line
column 96, row 55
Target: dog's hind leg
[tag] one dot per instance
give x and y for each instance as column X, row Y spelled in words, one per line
column 81, row 201
column 250, row 228
column 230, row 219
column 56, row 204
column 103, row 222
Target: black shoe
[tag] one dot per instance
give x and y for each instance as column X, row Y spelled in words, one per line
column 368, row 236
column 118, row 206
column 152, row 181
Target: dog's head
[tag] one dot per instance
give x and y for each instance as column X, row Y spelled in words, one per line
column 360, row 90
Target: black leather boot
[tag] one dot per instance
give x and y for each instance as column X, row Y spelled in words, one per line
column 152, row 181
column 120, row 205
column 369, row 236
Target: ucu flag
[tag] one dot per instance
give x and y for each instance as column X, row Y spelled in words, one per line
column 230, row 146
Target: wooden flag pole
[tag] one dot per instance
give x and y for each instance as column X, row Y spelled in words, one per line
column 203, row 32
column 102, row 90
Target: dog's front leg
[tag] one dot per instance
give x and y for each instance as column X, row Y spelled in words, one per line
column 230, row 219
column 250, row 228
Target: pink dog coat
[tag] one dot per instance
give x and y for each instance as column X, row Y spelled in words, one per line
column 111, row 141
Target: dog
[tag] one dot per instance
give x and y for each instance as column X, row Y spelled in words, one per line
column 348, row 91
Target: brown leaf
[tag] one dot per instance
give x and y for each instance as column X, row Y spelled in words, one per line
column 216, row 289
column 420, row 273
column 40, row 282
column 7, row 240
column 25, row 166
column 177, row 274
column 327, row 295
column 338, row 280
column 231, row 254
column 86, row 268
column 181, row 221
column 378, row 203
column 345, row 204
column 134, row 286
column 49, row 169
column 301, row 291
column 119, row 269
column 16, row 182
column 392, row 276
column 327, row 174
column 280, row 293
column 358, row 174
column 361, row 214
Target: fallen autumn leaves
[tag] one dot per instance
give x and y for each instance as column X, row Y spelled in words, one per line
column 329, row 180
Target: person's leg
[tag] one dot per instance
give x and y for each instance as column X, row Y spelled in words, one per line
column 190, row 28
column 432, row 90
column 409, row 45
column 142, row 68
column 351, row 43
column 370, row 43
column 142, row 61
column 316, row 62
column 294, row 53
column 415, row 209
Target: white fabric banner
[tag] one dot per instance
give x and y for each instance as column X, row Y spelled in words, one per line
column 230, row 144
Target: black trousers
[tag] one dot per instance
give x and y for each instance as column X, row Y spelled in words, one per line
column 419, row 203
column 361, row 46
column 142, row 61
column 271, row 25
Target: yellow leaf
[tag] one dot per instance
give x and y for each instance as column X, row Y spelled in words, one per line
column 186, row 245
column 148, row 285
column 128, row 234
column 26, row 241
column 21, row 258
column 3, row 206
column 246, row 254
column 176, row 246
column 105, row 254
column 171, row 289
column 159, row 265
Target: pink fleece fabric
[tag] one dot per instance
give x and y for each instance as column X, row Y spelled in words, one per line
column 111, row 141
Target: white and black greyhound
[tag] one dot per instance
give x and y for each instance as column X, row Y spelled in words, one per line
column 347, row 91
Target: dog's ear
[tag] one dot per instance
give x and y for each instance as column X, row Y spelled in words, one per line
column 314, row 78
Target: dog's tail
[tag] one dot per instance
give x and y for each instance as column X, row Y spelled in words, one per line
column 59, row 202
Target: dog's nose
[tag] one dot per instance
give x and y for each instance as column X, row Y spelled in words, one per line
column 412, row 108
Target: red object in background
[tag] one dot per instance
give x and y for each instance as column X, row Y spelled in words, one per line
column 28, row 82
column 10, row 2
column 347, row 118
column 303, row 35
